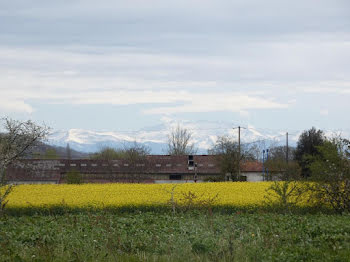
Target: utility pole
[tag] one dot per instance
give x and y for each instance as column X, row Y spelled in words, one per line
column 287, row 149
column 264, row 176
column 239, row 152
column 195, row 172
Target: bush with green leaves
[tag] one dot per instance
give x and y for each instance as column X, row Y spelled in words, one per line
column 330, row 175
column 74, row 177
column 308, row 144
column 285, row 194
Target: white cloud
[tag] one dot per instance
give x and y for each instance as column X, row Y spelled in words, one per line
column 259, row 75
column 17, row 106
column 216, row 102
column 324, row 112
column 75, row 78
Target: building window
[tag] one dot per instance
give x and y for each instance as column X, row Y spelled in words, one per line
column 73, row 164
column 175, row 177
column 210, row 165
column 82, row 164
column 93, row 164
column 158, row 165
column 126, row 164
column 190, row 161
column 168, row 165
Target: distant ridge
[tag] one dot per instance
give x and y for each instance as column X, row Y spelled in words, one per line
column 204, row 136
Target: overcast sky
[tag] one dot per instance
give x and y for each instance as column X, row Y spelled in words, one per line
column 128, row 64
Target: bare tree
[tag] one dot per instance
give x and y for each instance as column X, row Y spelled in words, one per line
column 229, row 156
column 134, row 154
column 179, row 142
column 17, row 139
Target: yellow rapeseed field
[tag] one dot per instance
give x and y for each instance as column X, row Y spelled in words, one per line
column 240, row 194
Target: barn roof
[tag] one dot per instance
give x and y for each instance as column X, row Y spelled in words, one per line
column 206, row 164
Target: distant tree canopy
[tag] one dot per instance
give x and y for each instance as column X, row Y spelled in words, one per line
column 51, row 153
column 134, row 152
column 307, row 145
column 279, row 153
column 108, row 153
column 332, row 161
column 330, row 173
column 228, row 156
column 179, row 142
column 278, row 166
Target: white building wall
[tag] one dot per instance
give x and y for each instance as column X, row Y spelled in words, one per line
column 253, row 176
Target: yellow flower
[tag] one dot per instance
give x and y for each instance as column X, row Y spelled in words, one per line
column 239, row 194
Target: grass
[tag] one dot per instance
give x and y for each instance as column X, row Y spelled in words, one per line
column 184, row 236
column 203, row 222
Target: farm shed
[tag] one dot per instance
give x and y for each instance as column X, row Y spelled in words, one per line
column 153, row 169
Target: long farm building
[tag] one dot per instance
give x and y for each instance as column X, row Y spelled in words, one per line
column 151, row 169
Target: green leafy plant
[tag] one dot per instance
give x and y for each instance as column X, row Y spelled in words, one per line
column 330, row 175
column 74, row 177
column 284, row 194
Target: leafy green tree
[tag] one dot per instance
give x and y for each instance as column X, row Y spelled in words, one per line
column 131, row 153
column 108, row 153
column 135, row 155
column 51, row 154
column 307, row 145
column 330, row 174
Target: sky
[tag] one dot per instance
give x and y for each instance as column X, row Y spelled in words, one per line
column 126, row 65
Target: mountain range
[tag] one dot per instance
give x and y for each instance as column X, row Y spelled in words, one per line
column 204, row 135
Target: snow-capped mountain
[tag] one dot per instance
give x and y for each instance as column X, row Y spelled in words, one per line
column 204, row 135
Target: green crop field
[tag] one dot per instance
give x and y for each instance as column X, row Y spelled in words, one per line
column 185, row 236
